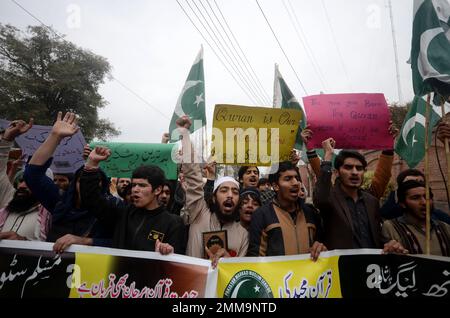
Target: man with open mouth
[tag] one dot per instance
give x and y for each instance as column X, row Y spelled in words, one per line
column 351, row 217
column 219, row 215
column 248, row 176
column 409, row 229
column 144, row 225
column 249, row 202
column 286, row 226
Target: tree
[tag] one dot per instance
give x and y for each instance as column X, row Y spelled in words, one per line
column 368, row 177
column 42, row 74
column 398, row 113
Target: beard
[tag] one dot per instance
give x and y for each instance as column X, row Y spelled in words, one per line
column 122, row 192
column 224, row 218
column 22, row 201
column 164, row 203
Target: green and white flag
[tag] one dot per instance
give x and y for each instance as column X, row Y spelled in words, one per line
column 283, row 98
column 411, row 142
column 191, row 101
column 430, row 48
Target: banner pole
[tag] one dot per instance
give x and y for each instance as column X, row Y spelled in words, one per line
column 427, row 175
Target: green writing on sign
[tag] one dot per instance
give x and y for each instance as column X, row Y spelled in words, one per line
column 125, row 157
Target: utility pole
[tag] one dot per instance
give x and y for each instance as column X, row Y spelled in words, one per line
column 394, row 40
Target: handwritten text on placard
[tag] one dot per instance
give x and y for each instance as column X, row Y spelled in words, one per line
column 355, row 121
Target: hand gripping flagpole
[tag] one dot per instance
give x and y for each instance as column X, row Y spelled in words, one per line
column 447, row 148
column 427, row 175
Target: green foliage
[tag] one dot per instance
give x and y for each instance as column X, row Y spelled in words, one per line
column 398, row 114
column 368, row 176
column 41, row 74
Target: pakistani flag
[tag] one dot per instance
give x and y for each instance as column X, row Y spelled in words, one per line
column 283, row 98
column 430, row 50
column 192, row 98
column 411, row 142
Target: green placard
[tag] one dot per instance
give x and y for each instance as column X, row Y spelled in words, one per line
column 125, row 157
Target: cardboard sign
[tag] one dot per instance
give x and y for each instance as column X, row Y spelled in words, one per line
column 355, row 121
column 256, row 136
column 68, row 156
column 125, row 157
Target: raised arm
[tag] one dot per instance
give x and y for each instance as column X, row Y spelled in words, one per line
column 383, row 172
column 63, row 127
column 195, row 197
column 14, row 167
column 208, row 187
column 314, row 161
column 322, row 199
column 15, row 129
column 90, row 189
column 313, row 158
column 43, row 188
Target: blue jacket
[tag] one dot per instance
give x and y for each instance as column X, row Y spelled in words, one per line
column 66, row 218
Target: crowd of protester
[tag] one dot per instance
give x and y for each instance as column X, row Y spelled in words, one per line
column 205, row 216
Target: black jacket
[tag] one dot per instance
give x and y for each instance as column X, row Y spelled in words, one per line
column 134, row 228
column 337, row 218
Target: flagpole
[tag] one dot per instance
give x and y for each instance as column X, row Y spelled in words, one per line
column 427, row 175
column 276, row 83
column 205, row 144
column 447, row 148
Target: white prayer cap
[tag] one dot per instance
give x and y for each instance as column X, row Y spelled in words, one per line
column 222, row 180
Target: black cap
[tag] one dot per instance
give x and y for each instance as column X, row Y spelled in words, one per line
column 250, row 190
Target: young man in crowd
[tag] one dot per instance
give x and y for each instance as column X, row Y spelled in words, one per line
column 71, row 221
column 266, row 192
column 392, row 209
column 121, row 185
column 409, row 229
column 286, row 226
column 62, row 180
column 382, row 173
column 165, row 197
column 21, row 215
column 350, row 216
column 249, row 201
column 263, row 184
column 146, row 225
column 248, row 176
column 128, row 198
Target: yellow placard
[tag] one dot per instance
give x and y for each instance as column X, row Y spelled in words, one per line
column 259, row 136
column 280, row 279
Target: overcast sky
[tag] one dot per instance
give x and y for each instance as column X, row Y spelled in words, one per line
column 151, row 45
